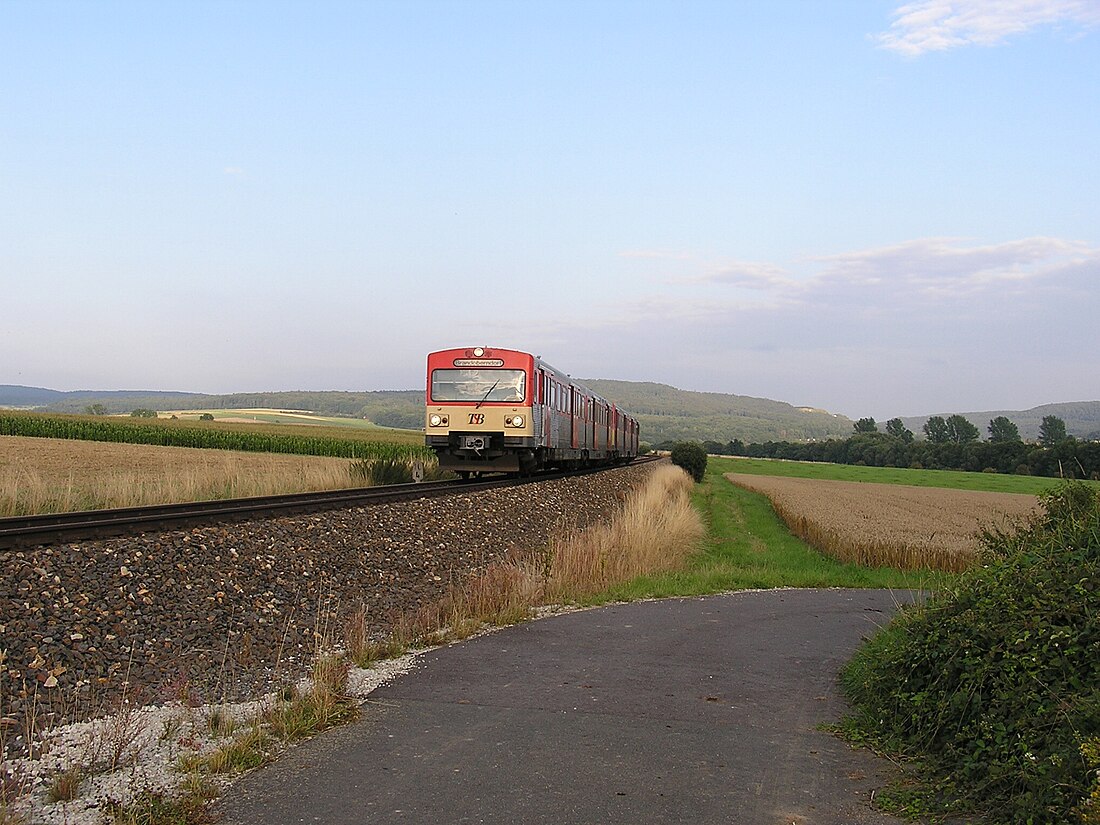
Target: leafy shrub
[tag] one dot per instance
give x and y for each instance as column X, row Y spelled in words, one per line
column 995, row 682
column 691, row 457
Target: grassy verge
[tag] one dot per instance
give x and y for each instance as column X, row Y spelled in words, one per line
column 748, row 546
column 953, row 479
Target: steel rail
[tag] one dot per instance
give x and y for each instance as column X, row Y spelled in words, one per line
column 22, row 531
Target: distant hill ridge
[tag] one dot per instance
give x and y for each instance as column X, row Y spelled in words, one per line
column 665, row 412
column 1082, row 419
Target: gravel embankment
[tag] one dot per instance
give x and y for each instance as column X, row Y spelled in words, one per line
column 226, row 611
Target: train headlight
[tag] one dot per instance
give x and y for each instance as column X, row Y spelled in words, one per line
column 436, row 420
column 515, row 421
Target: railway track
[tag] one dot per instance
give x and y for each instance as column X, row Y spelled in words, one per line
column 24, row 531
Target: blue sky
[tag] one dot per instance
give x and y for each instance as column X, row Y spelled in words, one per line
column 875, row 208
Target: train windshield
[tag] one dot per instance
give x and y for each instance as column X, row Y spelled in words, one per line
column 479, row 385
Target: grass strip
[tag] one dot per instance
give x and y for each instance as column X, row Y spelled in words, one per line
column 748, row 546
column 952, row 479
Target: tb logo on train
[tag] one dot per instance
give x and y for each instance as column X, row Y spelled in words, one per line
column 505, row 411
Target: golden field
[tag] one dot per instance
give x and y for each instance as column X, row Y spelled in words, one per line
column 888, row 525
column 39, row 475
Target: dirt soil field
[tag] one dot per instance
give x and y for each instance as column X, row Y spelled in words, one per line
column 888, row 525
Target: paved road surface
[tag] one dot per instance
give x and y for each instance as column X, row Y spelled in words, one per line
column 685, row 710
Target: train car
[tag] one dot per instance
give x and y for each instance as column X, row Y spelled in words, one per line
column 501, row 410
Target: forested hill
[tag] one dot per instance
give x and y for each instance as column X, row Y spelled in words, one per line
column 669, row 414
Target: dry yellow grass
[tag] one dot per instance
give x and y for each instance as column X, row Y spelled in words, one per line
column 888, row 525
column 656, row 531
column 42, row 475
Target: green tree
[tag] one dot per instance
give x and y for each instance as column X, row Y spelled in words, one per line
column 143, row 412
column 1002, row 430
column 935, row 430
column 896, row 428
column 1052, row 429
column 960, row 430
column 692, row 457
column 95, row 409
column 206, row 417
column 865, row 425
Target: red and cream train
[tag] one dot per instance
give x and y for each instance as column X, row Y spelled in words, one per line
column 500, row 410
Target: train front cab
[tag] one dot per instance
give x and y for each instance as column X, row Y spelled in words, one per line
column 479, row 411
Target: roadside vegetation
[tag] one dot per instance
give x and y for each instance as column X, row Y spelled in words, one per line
column 993, row 684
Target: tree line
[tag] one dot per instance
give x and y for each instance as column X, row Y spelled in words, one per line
column 950, row 443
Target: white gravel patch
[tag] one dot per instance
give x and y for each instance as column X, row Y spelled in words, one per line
column 140, row 749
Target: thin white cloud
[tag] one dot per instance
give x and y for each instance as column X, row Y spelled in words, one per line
column 945, row 263
column 751, row 275
column 925, row 268
column 939, row 25
column 233, row 171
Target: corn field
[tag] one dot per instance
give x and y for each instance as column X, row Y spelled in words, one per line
column 243, row 440
column 888, row 525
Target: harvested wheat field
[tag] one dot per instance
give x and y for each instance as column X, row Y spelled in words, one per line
column 888, row 525
column 44, row 475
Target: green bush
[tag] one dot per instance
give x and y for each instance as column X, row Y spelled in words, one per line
column 994, row 683
column 691, row 457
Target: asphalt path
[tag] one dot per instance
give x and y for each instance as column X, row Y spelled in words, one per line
column 701, row 710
